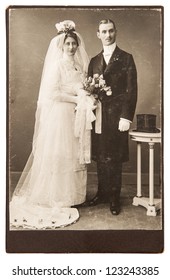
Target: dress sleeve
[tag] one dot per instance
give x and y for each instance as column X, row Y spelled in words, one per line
column 51, row 86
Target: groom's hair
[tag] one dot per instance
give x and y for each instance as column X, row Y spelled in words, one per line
column 105, row 21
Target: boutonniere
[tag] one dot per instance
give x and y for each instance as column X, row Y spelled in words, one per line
column 116, row 58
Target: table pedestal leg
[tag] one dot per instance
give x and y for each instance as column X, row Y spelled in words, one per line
column 139, row 191
column 151, row 204
column 151, row 209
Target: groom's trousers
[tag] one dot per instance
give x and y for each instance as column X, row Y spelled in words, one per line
column 109, row 179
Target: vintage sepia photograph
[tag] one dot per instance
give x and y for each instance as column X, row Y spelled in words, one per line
column 85, row 129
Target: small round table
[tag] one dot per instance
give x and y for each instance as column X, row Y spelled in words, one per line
column 152, row 205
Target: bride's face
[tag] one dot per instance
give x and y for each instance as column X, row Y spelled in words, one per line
column 70, row 46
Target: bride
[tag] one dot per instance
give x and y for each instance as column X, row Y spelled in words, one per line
column 55, row 176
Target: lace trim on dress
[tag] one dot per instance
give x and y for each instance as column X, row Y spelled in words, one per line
column 29, row 216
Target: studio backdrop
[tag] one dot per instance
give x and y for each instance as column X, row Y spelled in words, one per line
column 139, row 31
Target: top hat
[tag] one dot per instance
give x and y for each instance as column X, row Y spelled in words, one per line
column 146, row 123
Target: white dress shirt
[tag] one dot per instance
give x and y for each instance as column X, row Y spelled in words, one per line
column 108, row 51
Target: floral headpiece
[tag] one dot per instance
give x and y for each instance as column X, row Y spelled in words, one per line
column 65, row 26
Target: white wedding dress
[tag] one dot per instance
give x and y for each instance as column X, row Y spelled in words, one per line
column 54, row 179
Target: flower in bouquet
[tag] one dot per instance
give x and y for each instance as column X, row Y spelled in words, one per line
column 97, row 87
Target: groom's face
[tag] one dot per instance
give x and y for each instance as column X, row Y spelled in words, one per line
column 107, row 33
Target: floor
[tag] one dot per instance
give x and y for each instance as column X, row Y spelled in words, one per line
column 99, row 217
column 131, row 217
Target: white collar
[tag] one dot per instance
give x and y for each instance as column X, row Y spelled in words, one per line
column 108, row 50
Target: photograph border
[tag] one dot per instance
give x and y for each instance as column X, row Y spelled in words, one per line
column 84, row 241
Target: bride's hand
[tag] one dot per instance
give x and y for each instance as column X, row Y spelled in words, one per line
column 91, row 101
column 82, row 93
column 95, row 101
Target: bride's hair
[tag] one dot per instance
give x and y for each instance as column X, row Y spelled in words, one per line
column 72, row 35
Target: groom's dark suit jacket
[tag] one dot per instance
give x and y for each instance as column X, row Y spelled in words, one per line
column 121, row 75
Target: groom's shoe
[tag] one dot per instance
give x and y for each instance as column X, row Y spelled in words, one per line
column 96, row 200
column 115, row 208
column 84, row 204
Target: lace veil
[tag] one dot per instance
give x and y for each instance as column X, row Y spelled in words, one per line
column 44, row 104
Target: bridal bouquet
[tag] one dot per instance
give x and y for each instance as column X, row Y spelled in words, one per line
column 97, row 87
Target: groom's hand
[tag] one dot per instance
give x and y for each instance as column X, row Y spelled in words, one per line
column 124, row 125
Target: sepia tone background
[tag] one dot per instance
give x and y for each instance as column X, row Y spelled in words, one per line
column 30, row 31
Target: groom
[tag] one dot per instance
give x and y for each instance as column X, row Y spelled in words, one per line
column 110, row 148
